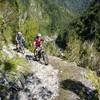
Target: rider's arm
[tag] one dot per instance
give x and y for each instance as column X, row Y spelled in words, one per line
column 42, row 41
column 23, row 39
column 16, row 38
column 34, row 43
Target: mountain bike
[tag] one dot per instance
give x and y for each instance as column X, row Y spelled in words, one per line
column 40, row 55
column 20, row 48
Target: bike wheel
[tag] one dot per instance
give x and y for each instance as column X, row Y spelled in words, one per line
column 37, row 56
column 45, row 58
column 22, row 50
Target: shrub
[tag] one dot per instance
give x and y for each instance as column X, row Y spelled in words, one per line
column 8, row 33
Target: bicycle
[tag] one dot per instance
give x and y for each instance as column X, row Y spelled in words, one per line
column 40, row 55
column 20, row 48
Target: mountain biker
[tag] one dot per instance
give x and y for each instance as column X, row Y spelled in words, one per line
column 19, row 40
column 37, row 43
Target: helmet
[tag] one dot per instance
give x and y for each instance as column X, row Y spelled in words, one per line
column 39, row 35
column 19, row 33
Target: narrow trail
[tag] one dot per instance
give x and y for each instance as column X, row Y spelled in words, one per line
column 73, row 80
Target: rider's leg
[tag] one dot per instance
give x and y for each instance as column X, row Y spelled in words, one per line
column 17, row 46
column 34, row 51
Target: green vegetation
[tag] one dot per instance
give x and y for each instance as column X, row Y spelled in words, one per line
column 13, row 66
column 95, row 80
column 75, row 6
column 81, row 39
column 31, row 17
column 57, row 15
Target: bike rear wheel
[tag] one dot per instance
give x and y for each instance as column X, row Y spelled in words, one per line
column 45, row 58
column 22, row 50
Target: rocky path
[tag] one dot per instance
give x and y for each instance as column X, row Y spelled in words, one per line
column 60, row 80
column 41, row 81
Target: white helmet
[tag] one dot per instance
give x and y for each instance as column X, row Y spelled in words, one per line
column 19, row 33
column 39, row 35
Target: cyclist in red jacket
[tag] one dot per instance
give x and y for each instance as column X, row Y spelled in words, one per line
column 38, row 42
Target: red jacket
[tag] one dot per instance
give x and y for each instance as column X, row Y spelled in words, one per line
column 38, row 41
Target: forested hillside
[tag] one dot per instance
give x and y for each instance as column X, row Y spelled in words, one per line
column 82, row 43
column 76, row 6
column 32, row 16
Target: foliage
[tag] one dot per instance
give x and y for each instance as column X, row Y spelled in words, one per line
column 29, row 29
column 95, row 80
column 52, row 49
column 7, row 34
column 57, row 15
column 8, row 65
column 76, row 6
column 87, row 27
column 44, row 16
column 13, row 66
column 83, row 38
column 73, row 48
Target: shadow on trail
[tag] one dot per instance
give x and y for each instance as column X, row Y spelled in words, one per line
column 15, row 49
column 30, row 57
column 85, row 93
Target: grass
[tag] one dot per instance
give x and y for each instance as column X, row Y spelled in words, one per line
column 14, row 66
column 95, row 80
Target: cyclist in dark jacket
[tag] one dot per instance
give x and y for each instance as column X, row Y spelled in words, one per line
column 19, row 40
